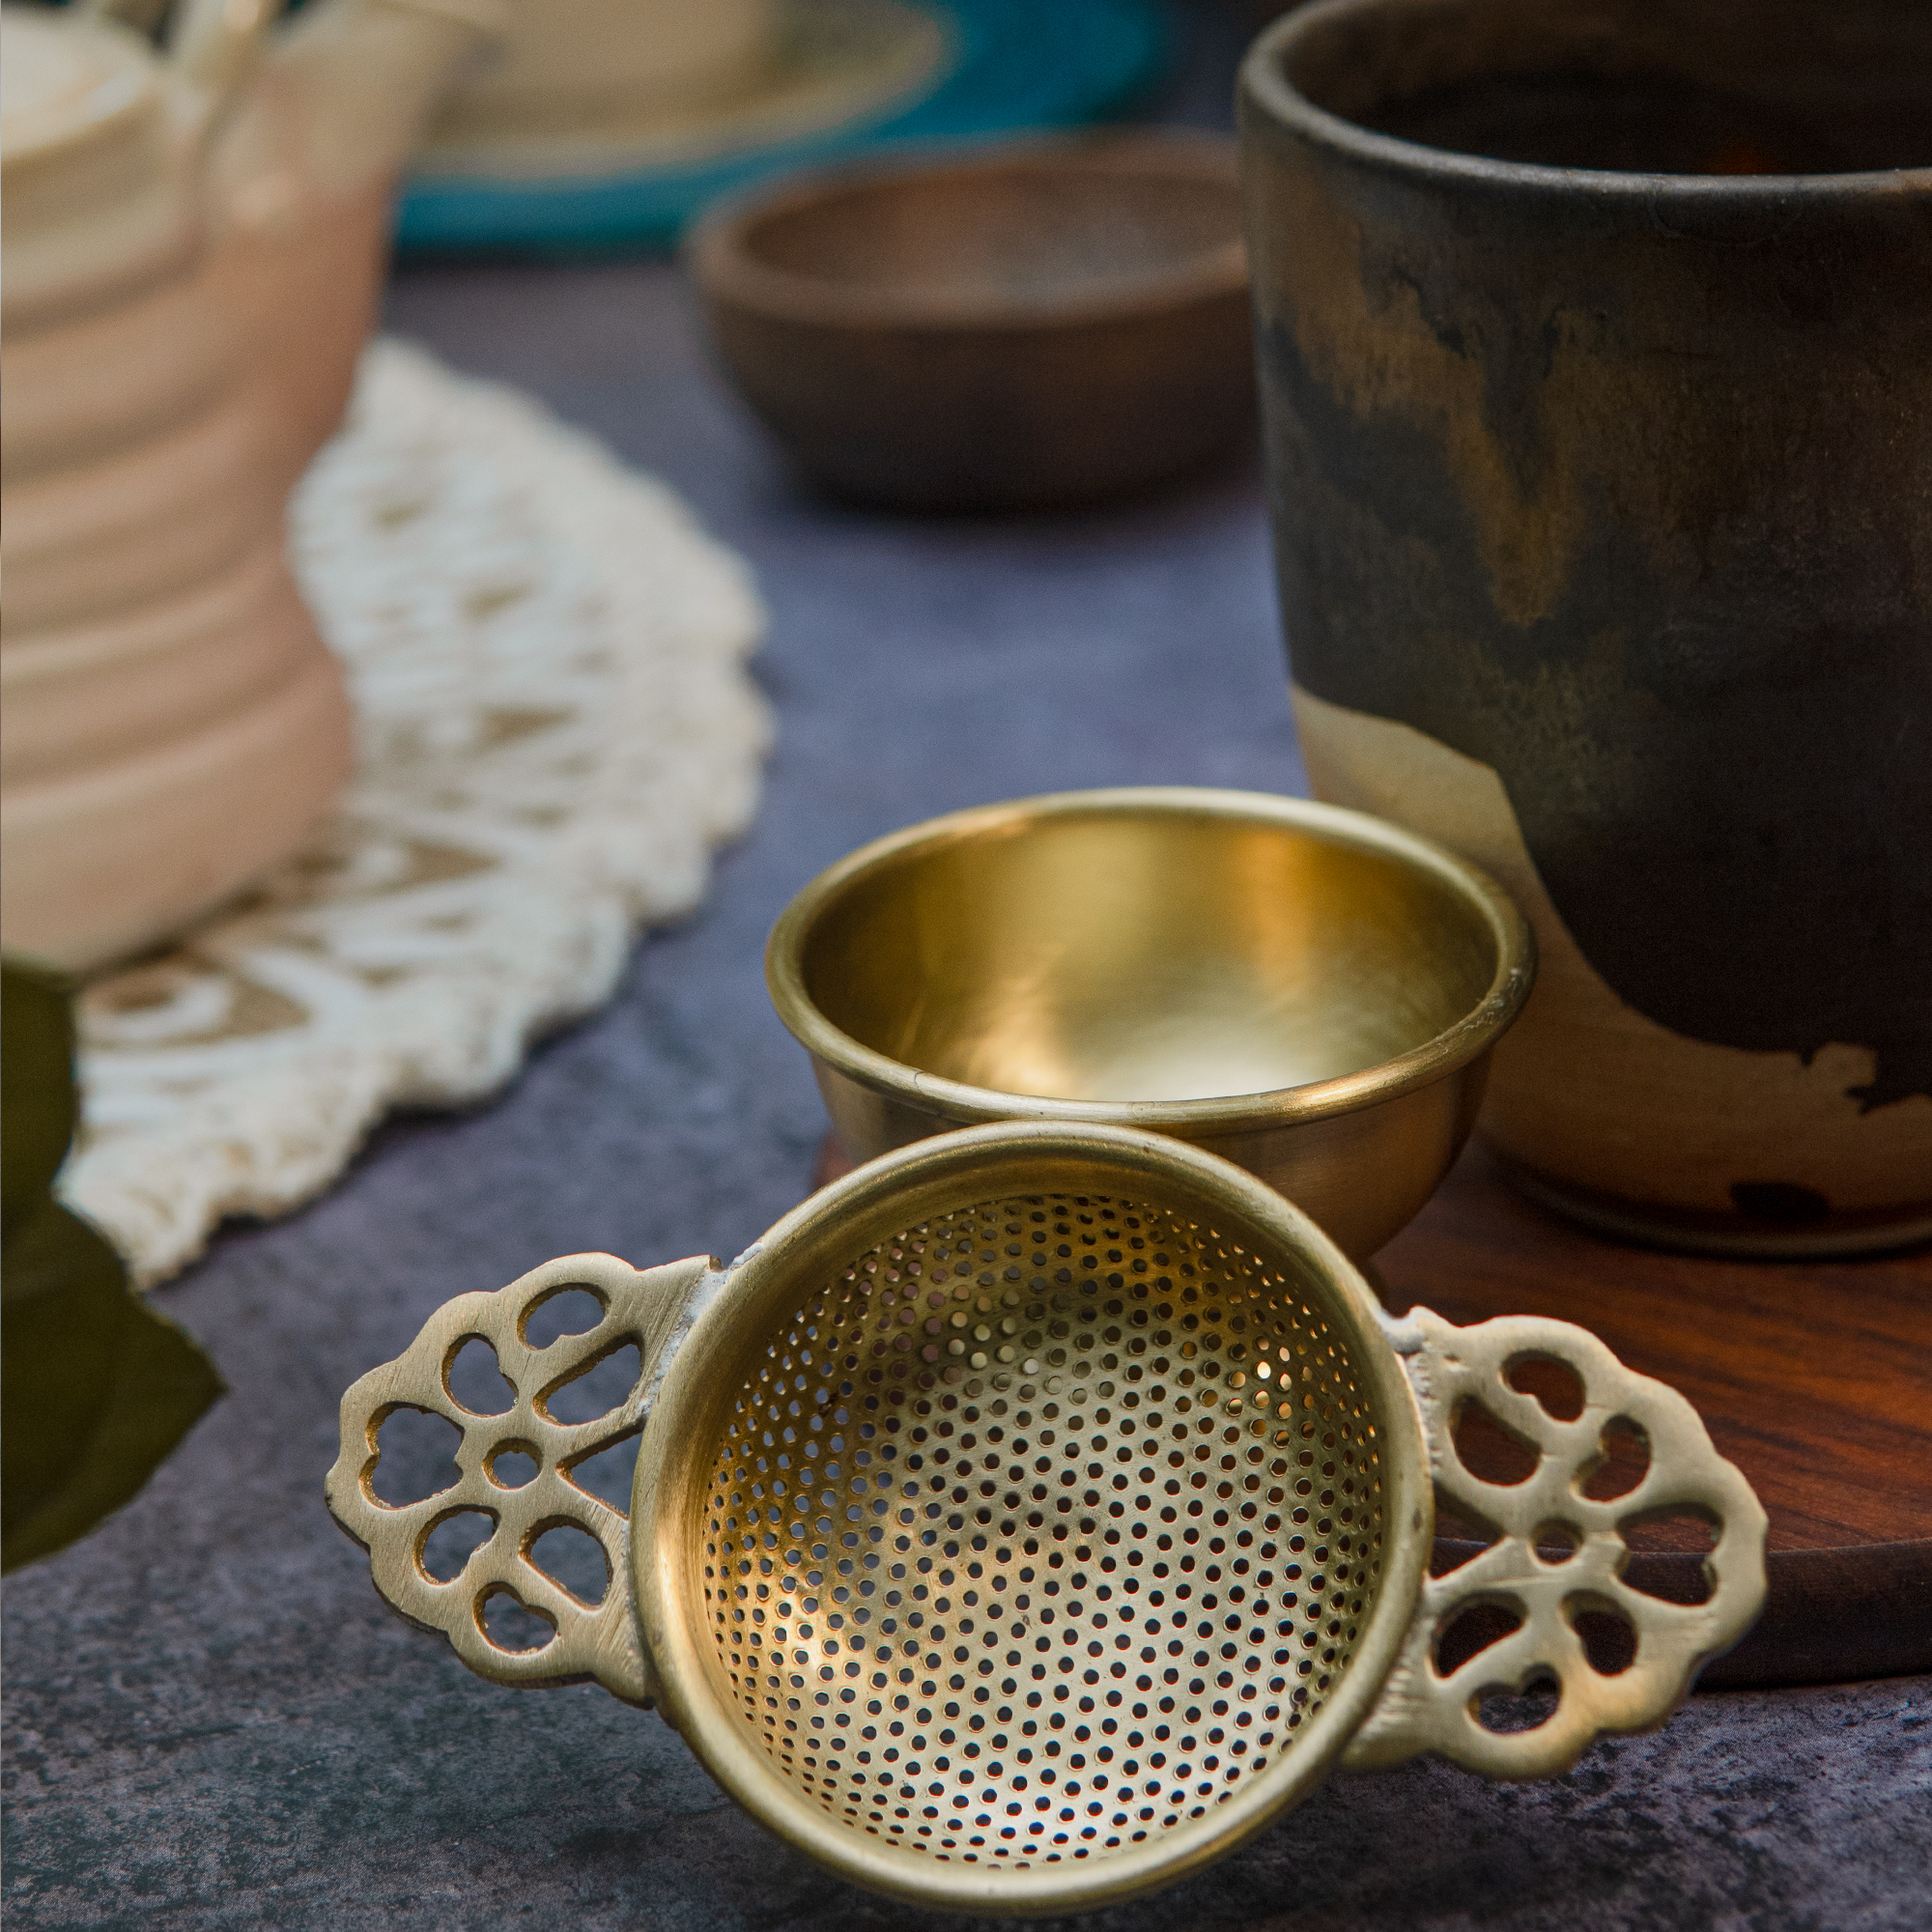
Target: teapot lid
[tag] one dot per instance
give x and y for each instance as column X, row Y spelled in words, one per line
column 92, row 153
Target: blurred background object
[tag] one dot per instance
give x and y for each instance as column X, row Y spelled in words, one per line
column 615, row 65
column 192, row 247
column 593, row 87
column 1603, row 508
column 609, row 125
column 1037, row 324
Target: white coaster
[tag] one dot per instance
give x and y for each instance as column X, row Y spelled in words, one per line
column 556, row 729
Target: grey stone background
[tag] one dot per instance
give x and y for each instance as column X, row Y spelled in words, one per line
column 211, row 1722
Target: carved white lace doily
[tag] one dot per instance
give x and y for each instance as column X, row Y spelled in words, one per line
column 557, row 728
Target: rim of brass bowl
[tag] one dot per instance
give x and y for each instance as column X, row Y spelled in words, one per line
column 726, row 265
column 1337, row 33
column 726, row 1345
column 1456, row 1046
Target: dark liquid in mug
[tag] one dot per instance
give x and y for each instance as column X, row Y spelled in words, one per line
column 1651, row 124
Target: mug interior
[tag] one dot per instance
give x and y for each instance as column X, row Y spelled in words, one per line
column 1676, row 87
column 1125, row 953
column 1036, row 1529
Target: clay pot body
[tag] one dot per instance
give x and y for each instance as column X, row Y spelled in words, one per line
column 1602, row 507
column 193, row 254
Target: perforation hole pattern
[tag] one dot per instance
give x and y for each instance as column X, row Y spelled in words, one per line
column 1041, row 1530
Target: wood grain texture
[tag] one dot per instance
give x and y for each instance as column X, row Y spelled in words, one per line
column 1815, row 1377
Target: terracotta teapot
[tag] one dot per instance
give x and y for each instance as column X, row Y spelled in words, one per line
column 193, row 242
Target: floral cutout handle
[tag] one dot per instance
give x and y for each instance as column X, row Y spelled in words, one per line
column 1557, row 1554
column 651, row 1309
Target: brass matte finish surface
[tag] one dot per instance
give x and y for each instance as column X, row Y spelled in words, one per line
column 1034, row 1515
column 1307, row 991
column 818, row 1321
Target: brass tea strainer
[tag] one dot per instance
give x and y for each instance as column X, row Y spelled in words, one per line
column 1034, row 1515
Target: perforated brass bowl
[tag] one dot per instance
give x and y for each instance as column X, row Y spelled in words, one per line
column 899, row 1612
column 1310, row 992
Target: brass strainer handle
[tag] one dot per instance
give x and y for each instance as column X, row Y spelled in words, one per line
column 1531, row 1572
column 649, row 1309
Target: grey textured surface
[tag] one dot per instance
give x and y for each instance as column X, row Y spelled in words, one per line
column 213, row 1723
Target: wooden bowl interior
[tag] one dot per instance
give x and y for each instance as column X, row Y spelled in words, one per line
column 1023, row 234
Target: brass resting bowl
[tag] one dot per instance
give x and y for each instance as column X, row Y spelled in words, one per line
column 1310, row 992
column 1043, row 323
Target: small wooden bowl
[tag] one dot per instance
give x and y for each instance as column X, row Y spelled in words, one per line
column 1035, row 326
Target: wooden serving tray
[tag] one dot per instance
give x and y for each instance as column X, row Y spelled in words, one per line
column 1815, row 1377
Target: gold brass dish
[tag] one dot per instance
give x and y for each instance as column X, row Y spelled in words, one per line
column 1308, row 992
column 1033, row 1516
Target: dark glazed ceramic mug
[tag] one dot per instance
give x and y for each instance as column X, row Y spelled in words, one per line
column 1596, row 352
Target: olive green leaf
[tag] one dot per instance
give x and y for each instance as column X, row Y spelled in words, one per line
column 95, row 1388
column 39, row 1109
